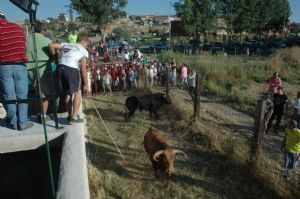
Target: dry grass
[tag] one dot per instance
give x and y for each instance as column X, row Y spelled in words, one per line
column 229, row 77
column 209, row 172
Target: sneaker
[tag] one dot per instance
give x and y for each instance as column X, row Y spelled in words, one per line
column 29, row 125
column 47, row 118
column 76, row 120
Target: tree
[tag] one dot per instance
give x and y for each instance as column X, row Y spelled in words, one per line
column 61, row 18
column 255, row 15
column 100, row 12
column 122, row 32
column 197, row 15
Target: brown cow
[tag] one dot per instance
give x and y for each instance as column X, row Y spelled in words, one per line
column 161, row 154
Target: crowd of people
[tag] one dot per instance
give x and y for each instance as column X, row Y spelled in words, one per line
column 125, row 75
column 78, row 70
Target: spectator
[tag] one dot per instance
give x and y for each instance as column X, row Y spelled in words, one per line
column 98, row 79
column 73, row 37
column 45, row 67
column 130, row 78
column 274, row 82
column 126, row 56
column 280, row 101
column 114, row 76
column 183, row 76
column 69, row 76
column 106, row 81
column 123, row 80
column 269, row 110
column 173, row 73
column 291, row 148
column 150, row 75
column 135, row 76
column 89, row 80
column 13, row 74
column 192, row 89
column 296, row 114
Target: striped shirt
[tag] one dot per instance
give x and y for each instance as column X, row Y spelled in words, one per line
column 12, row 43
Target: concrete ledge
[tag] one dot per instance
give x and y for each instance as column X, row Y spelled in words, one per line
column 73, row 178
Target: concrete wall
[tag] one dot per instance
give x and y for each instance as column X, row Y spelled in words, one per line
column 72, row 180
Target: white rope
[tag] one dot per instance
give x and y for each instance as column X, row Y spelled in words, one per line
column 106, row 128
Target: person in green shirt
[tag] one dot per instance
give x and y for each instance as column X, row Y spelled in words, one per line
column 72, row 37
column 291, row 147
column 44, row 65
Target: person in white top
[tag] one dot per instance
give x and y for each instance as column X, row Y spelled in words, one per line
column 72, row 59
column 126, row 56
column 106, row 81
column 151, row 75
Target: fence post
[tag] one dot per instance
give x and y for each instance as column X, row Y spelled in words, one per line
column 168, row 82
column 259, row 126
column 197, row 97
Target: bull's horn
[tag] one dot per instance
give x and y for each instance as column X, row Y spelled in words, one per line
column 157, row 154
column 179, row 151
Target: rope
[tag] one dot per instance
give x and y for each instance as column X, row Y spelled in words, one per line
column 106, row 128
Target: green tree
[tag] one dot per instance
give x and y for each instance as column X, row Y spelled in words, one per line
column 197, row 15
column 100, row 12
column 122, row 32
column 254, row 15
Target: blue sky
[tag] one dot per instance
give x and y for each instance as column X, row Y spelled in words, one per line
column 51, row 8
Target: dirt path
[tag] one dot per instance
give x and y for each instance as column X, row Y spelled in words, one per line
column 217, row 112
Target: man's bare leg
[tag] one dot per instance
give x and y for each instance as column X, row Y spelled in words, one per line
column 76, row 104
column 45, row 106
column 68, row 102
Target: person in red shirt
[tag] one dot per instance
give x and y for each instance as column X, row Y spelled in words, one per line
column 114, row 76
column 13, row 74
column 274, row 82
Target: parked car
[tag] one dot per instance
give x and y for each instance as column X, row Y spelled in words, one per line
column 159, row 45
column 217, row 48
column 279, row 44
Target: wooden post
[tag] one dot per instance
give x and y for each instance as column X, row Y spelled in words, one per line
column 197, row 97
column 168, row 82
column 259, row 126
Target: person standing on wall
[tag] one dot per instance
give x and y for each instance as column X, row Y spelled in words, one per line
column 44, row 65
column 70, row 56
column 13, row 74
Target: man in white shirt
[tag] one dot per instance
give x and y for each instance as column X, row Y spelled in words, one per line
column 69, row 57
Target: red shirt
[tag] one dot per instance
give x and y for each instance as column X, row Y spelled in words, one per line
column 114, row 73
column 274, row 82
column 12, row 43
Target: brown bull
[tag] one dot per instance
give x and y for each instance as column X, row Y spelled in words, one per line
column 161, row 154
